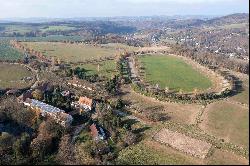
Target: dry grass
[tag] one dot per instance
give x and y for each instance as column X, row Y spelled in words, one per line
column 11, row 76
column 183, row 143
column 182, row 113
column 71, row 52
column 221, row 157
column 228, row 121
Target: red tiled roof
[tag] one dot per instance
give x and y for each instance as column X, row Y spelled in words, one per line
column 94, row 130
column 85, row 101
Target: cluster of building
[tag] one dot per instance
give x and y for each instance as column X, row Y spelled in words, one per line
column 84, row 104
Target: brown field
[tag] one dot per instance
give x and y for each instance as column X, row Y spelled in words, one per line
column 243, row 97
column 71, row 52
column 182, row 113
column 221, row 157
column 228, row 121
column 11, row 76
column 183, row 143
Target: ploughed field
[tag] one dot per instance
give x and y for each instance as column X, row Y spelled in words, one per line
column 14, row 76
column 174, row 73
column 71, row 52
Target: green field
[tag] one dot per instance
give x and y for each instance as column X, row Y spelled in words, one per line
column 57, row 28
column 143, row 154
column 22, row 29
column 106, row 69
column 229, row 121
column 8, row 53
column 11, row 75
column 71, row 52
column 44, row 39
column 173, row 73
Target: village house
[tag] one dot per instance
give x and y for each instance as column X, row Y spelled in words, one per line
column 47, row 110
column 24, row 96
column 97, row 132
column 84, row 104
column 80, row 84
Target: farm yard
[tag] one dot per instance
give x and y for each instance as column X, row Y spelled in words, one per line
column 8, row 53
column 73, row 53
column 173, row 73
column 13, row 76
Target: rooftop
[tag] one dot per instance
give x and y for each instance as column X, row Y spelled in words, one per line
column 45, row 107
column 85, row 101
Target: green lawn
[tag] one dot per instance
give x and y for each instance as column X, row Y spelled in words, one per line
column 230, row 122
column 107, row 68
column 71, row 52
column 11, row 75
column 173, row 73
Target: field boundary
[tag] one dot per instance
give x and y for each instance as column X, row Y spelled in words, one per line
column 181, row 142
column 228, row 85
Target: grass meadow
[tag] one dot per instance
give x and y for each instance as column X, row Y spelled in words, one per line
column 11, row 75
column 71, row 52
column 173, row 73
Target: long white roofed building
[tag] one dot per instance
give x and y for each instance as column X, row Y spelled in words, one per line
column 47, row 110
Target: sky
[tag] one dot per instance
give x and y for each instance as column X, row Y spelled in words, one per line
column 109, row 8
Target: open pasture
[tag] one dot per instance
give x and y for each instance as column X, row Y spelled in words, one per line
column 227, row 121
column 71, row 52
column 106, row 68
column 7, row 52
column 13, row 76
column 174, row 73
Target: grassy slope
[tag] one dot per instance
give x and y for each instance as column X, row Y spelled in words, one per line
column 173, row 73
column 229, row 121
column 107, row 68
column 57, row 28
column 243, row 97
column 221, row 157
column 11, row 75
column 71, row 52
column 8, row 53
column 142, row 154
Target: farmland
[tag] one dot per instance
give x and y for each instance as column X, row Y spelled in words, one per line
column 71, row 52
column 243, row 97
column 173, row 73
column 57, row 28
column 11, row 76
column 228, row 121
column 106, row 68
column 44, row 39
column 145, row 153
column 7, row 52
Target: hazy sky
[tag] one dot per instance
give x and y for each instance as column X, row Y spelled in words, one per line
column 89, row 8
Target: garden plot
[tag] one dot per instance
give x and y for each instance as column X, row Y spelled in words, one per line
column 183, row 143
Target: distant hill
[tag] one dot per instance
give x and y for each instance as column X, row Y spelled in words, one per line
column 229, row 19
